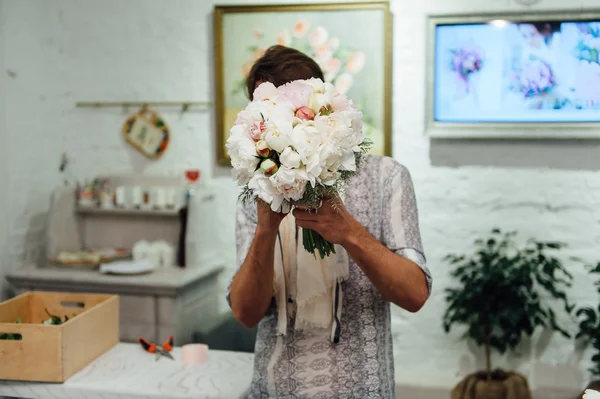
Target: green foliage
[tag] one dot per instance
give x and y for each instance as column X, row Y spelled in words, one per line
column 589, row 327
column 501, row 294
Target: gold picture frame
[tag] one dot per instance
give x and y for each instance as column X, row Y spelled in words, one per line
column 242, row 32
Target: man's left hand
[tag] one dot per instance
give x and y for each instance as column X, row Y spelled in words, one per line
column 332, row 221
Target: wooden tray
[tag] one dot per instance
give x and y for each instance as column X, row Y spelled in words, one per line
column 53, row 353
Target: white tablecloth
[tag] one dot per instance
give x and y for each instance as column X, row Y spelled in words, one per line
column 127, row 372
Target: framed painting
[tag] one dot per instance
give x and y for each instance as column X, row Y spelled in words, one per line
column 356, row 60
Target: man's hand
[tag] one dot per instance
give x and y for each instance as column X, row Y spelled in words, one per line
column 400, row 280
column 332, row 221
column 268, row 221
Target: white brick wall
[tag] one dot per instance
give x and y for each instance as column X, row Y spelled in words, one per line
column 62, row 51
column 3, row 157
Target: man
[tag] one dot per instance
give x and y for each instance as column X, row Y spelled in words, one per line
column 377, row 225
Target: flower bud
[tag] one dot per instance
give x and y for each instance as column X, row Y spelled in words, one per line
column 305, row 113
column 269, row 167
column 262, row 149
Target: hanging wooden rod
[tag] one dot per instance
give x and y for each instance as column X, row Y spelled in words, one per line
column 185, row 105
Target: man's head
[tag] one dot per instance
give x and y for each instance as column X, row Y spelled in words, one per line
column 280, row 65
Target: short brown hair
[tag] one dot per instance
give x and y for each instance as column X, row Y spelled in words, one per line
column 280, row 65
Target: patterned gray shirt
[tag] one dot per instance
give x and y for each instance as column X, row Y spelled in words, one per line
column 299, row 365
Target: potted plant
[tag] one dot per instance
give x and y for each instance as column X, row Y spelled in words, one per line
column 589, row 332
column 499, row 300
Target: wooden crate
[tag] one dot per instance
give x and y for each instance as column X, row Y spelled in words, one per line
column 53, row 353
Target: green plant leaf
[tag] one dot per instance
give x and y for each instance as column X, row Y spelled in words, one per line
column 506, row 289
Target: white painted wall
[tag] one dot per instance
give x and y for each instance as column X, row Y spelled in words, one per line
column 63, row 51
column 3, row 157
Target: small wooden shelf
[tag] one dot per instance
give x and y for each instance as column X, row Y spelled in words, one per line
column 128, row 212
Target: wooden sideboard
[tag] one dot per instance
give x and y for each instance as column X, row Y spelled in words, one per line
column 168, row 301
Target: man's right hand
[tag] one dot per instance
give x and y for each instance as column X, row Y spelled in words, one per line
column 268, row 221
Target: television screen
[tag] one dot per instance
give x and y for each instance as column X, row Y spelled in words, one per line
column 503, row 71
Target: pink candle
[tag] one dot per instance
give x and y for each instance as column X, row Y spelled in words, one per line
column 194, row 353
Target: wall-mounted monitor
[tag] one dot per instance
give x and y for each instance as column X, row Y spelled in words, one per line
column 519, row 75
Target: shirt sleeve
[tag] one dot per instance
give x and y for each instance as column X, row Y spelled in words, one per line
column 401, row 219
column 245, row 228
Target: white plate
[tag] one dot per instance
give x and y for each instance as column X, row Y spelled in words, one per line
column 127, row 267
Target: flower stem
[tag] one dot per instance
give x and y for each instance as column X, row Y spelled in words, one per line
column 313, row 241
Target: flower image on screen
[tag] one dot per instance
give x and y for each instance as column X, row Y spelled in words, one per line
column 517, row 72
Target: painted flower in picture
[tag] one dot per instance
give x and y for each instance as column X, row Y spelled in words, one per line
column 465, row 62
column 588, row 45
column 341, row 64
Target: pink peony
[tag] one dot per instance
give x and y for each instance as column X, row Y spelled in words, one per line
column 318, row 36
column 296, row 93
column 334, row 43
column 323, row 53
column 300, row 28
column 264, row 91
column 284, row 38
column 343, row 83
column 305, row 113
column 356, row 62
column 257, row 129
column 333, row 66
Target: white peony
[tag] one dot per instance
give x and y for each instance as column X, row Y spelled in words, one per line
column 242, row 151
column 319, row 101
column 290, row 183
column 277, row 140
column 343, row 129
column 328, row 178
column 306, row 139
column 339, row 102
column 296, row 93
column 263, row 188
column 316, row 84
column 331, row 157
column 348, row 161
column 264, row 91
column 290, row 158
column 255, row 111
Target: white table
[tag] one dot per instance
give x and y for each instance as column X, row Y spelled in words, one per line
column 127, row 372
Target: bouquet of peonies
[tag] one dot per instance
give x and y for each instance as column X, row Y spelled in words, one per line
column 466, row 61
column 297, row 144
column 534, row 78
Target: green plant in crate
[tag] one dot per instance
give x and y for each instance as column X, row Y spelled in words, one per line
column 589, row 331
column 500, row 300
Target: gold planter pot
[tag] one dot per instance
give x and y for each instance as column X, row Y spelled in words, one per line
column 501, row 385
